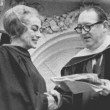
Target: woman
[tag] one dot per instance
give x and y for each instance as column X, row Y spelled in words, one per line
column 21, row 85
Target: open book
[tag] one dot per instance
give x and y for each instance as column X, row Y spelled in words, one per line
column 79, row 83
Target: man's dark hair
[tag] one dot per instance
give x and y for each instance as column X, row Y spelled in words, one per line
column 102, row 15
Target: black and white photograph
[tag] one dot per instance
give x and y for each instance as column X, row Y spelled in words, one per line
column 54, row 54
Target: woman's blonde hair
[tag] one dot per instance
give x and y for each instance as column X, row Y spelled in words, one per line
column 14, row 21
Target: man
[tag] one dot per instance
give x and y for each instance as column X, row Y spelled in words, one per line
column 95, row 58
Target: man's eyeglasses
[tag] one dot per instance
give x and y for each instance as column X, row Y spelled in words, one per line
column 86, row 27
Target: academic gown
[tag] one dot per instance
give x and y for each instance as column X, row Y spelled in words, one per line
column 89, row 100
column 21, row 85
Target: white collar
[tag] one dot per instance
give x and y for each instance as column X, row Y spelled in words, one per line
column 85, row 51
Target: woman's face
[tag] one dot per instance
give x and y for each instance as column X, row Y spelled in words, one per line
column 31, row 36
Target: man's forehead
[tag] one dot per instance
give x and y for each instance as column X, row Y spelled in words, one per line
column 88, row 16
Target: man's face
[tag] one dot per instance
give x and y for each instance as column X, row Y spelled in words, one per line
column 94, row 38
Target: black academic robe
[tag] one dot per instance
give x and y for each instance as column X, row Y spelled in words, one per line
column 21, row 85
column 88, row 100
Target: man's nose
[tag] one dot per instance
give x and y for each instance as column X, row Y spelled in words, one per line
column 83, row 31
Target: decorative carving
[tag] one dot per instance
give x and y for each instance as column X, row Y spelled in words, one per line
column 15, row 2
column 59, row 24
column 2, row 4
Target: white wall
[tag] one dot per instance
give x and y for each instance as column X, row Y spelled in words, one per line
column 52, row 55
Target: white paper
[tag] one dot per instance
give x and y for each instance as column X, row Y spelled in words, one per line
column 74, row 83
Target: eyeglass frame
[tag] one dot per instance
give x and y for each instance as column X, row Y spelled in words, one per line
column 85, row 29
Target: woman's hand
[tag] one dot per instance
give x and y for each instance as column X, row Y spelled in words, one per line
column 57, row 97
column 52, row 105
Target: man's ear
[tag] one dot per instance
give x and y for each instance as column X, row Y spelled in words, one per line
column 106, row 25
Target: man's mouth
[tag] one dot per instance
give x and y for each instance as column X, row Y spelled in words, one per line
column 86, row 37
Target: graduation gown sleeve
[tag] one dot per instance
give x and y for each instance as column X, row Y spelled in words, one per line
column 21, row 86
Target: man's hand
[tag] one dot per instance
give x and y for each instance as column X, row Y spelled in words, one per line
column 106, row 87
